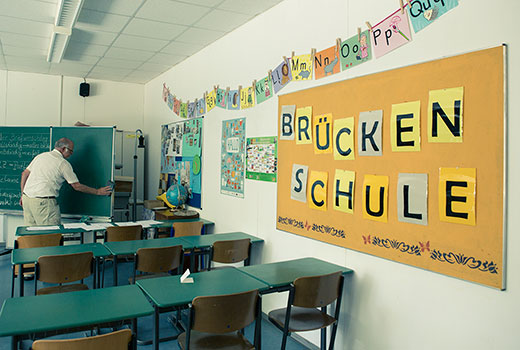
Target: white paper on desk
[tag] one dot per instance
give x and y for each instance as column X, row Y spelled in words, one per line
column 185, row 278
column 80, row 225
column 42, row 228
column 126, row 223
column 98, row 226
column 147, row 223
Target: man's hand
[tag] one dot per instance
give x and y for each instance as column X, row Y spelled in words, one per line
column 104, row 191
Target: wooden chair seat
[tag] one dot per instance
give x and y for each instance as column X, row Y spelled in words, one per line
column 302, row 319
column 62, row 289
column 205, row 341
column 118, row 340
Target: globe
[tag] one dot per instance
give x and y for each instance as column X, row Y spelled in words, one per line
column 176, row 195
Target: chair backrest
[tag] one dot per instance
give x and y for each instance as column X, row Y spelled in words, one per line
column 118, row 340
column 317, row 291
column 231, row 251
column 154, row 260
column 190, row 228
column 224, row 313
column 34, row 241
column 123, row 233
column 64, row 268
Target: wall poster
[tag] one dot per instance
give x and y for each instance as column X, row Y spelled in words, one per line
column 232, row 169
column 415, row 175
column 262, row 158
column 181, row 152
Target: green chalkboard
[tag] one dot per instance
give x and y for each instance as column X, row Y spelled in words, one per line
column 92, row 162
column 18, row 146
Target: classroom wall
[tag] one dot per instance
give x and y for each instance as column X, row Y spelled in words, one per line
column 387, row 305
column 50, row 100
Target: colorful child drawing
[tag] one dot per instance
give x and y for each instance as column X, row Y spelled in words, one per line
column 281, row 75
column 222, row 97
column 326, row 62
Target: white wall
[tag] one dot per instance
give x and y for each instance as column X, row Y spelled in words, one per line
column 52, row 100
column 387, row 305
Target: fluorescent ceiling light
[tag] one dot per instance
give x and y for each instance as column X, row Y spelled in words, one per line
column 68, row 11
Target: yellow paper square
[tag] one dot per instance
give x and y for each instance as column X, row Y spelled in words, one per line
column 322, row 125
column 457, row 195
column 405, row 132
column 317, row 190
column 211, row 99
column 343, row 139
column 376, row 208
column 247, row 99
column 343, row 191
column 445, row 115
column 303, row 125
column 301, row 67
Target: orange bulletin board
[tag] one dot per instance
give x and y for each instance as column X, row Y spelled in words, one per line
column 472, row 248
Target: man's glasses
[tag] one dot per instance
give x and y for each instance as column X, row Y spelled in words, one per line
column 70, row 150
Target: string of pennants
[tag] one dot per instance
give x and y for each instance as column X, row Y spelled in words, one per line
column 389, row 34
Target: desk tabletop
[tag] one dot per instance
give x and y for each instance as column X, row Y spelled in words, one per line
column 40, row 313
column 285, row 272
column 168, row 223
column 169, row 291
column 24, row 231
column 30, row 255
column 205, row 241
column 131, row 247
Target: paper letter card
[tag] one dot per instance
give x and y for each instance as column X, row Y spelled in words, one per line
column 412, row 198
column 326, row 62
column 343, row 191
column 184, row 110
column 457, row 195
column 247, row 99
column 233, row 100
column 318, row 190
column 299, row 182
column 303, row 125
column 445, row 115
column 322, row 133
column 176, row 106
column 355, row 51
column 423, row 13
column 375, row 198
column 391, row 33
column 281, row 75
column 343, row 139
column 405, row 133
column 370, row 141
column 201, row 107
column 222, row 98
column 301, row 67
column 264, row 89
column 287, row 123
column 192, row 110
column 211, row 100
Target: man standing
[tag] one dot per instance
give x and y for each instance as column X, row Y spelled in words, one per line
column 41, row 183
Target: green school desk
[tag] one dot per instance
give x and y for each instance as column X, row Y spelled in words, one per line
column 131, row 247
column 168, row 292
column 169, row 223
column 46, row 315
column 31, row 255
column 280, row 275
column 23, row 231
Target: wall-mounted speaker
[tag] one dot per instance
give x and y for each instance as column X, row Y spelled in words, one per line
column 84, row 89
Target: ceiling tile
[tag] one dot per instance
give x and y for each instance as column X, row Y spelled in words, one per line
column 27, row 61
column 154, row 67
column 200, row 36
column 153, row 29
column 21, row 40
column 105, row 76
column 78, row 58
column 170, row 60
column 95, row 20
column 23, row 26
column 223, row 20
column 118, row 63
column 249, row 7
column 116, row 52
column 172, row 12
column 135, row 80
column 29, row 9
column 24, row 51
column 178, row 48
column 139, row 43
column 122, row 72
column 208, row 3
column 93, row 37
column 29, row 68
column 69, row 65
column 118, row 7
column 78, row 49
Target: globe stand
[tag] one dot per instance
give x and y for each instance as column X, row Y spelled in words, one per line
column 184, row 214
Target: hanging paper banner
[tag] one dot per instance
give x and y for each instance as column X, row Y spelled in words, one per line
column 247, row 98
column 391, row 33
column 457, row 195
column 281, row 75
column 201, row 107
column 355, row 50
column 424, row 13
column 326, row 62
column 405, row 133
column 263, row 89
column 211, row 100
column 222, row 98
column 233, row 100
column 170, row 101
column 445, row 115
column 165, row 92
column 412, row 198
column 303, row 125
column 299, row 182
column 301, row 67
column 184, row 110
column 262, row 158
column 369, row 133
column 233, row 157
column 176, row 105
column 192, row 110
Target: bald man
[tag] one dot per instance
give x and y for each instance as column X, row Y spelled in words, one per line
column 41, row 183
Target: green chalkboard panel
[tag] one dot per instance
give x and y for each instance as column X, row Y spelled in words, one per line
column 18, row 146
column 92, row 162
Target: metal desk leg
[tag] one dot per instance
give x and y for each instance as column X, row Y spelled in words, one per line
column 20, row 277
column 156, row 328
column 134, row 331
column 115, row 270
column 14, row 342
